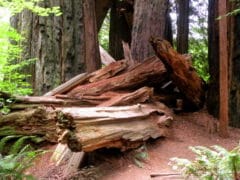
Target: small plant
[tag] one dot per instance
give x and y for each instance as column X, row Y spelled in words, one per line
column 13, row 166
column 215, row 163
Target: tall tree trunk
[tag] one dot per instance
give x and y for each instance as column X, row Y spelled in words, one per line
column 149, row 20
column 119, row 31
column 234, row 94
column 92, row 55
column 57, row 42
column 213, row 58
column 182, row 26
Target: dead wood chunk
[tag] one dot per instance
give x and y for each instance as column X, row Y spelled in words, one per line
column 139, row 96
column 121, row 127
column 109, row 71
column 183, row 74
column 151, row 70
column 39, row 121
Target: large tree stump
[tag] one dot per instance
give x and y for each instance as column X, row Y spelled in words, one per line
column 182, row 73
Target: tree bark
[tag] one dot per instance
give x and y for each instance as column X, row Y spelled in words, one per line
column 234, row 92
column 58, row 43
column 182, row 26
column 92, row 55
column 119, row 31
column 181, row 72
column 213, row 59
column 149, row 20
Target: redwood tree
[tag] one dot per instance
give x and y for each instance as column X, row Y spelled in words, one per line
column 58, row 43
column 182, row 25
column 149, row 20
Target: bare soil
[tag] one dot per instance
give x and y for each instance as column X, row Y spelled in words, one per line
column 189, row 129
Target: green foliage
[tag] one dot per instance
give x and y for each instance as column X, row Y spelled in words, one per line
column 199, row 51
column 17, row 6
column 13, row 166
column 210, row 163
column 11, row 80
column 103, row 34
column 16, row 142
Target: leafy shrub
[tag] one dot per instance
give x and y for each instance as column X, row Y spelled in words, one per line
column 215, row 163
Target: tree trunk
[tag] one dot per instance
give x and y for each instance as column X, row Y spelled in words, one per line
column 149, row 20
column 92, row 56
column 119, row 31
column 182, row 26
column 213, row 59
column 234, row 94
column 124, row 127
column 58, row 43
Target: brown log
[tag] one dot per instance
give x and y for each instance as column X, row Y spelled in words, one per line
column 109, row 71
column 124, row 127
column 182, row 73
column 139, row 96
column 151, row 70
column 39, row 121
column 46, row 100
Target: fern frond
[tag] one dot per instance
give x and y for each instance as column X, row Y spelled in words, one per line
column 4, row 140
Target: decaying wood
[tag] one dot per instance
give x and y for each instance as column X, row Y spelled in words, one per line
column 139, row 96
column 40, row 122
column 151, row 70
column 127, row 54
column 122, row 127
column 83, row 78
column 106, row 58
column 182, row 73
column 109, row 71
column 69, row 84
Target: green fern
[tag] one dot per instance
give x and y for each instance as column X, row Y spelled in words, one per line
column 6, row 139
column 210, row 163
column 15, row 148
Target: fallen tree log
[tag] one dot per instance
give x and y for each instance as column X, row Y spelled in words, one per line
column 40, row 121
column 124, row 127
column 151, row 70
column 182, row 73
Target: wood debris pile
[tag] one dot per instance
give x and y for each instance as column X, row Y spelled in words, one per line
column 120, row 105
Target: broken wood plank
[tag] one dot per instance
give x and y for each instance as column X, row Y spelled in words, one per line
column 139, row 96
column 109, row 71
column 150, row 71
column 124, row 127
column 182, row 73
column 69, row 84
column 106, row 58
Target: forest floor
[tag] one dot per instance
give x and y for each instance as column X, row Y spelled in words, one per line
column 189, row 129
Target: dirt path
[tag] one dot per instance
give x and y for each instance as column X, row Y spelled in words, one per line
column 112, row 165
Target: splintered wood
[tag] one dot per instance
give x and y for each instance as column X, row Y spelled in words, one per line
column 124, row 127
